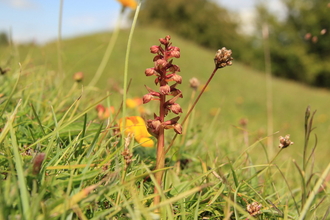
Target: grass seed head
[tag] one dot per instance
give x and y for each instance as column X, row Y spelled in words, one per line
column 285, row 141
column 253, row 208
column 223, row 58
column 194, row 83
column 78, row 76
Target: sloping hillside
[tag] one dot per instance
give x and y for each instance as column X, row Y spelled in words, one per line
column 238, row 91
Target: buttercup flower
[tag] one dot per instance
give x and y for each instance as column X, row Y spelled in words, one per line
column 133, row 103
column 136, row 127
column 128, row 3
column 136, row 103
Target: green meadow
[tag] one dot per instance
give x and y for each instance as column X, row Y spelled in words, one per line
column 225, row 165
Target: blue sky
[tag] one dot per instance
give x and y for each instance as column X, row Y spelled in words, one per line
column 37, row 20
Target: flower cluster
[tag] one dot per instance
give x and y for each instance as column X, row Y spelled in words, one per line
column 223, row 58
column 285, row 141
column 164, row 71
column 254, row 208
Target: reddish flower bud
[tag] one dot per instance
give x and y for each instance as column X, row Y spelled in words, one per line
column 165, row 40
column 156, row 80
column 168, row 37
column 37, row 162
column 172, row 48
column 161, row 63
column 169, row 76
column 151, row 91
column 178, row 128
column 308, row 36
column 157, row 57
column 150, row 72
column 177, row 78
column 78, row 76
column 175, row 54
column 147, row 98
column 176, row 92
column 153, row 126
column 175, row 120
column 100, row 107
column 155, row 94
column 174, row 68
column 154, row 49
column 176, row 108
column 173, row 100
column 166, row 89
column 166, row 123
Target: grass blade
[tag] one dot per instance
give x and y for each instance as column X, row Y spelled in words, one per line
column 313, row 193
column 38, row 119
column 91, row 148
column 303, row 185
column 19, row 166
column 11, row 94
column 294, row 200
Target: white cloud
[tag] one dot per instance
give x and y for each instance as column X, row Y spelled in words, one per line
column 20, row 4
column 85, row 20
column 247, row 18
column 245, row 9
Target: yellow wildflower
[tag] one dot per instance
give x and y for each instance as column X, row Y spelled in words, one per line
column 133, row 103
column 136, row 126
column 128, row 3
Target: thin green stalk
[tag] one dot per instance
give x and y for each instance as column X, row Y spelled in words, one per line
column 264, row 169
column 59, row 38
column 125, row 86
column 285, row 180
column 108, row 51
column 19, row 167
column 11, row 93
column 313, row 193
column 308, row 130
column 129, row 43
column 307, row 115
column 303, row 184
column 269, row 103
column 126, row 165
column 83, row 133
column 38, row 119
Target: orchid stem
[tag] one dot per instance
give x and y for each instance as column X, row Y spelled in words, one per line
column 160, row 160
